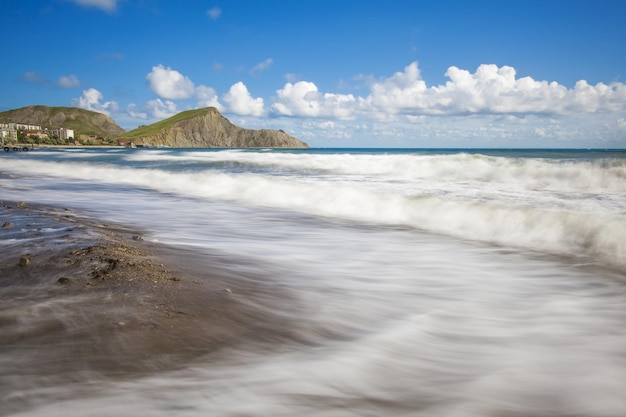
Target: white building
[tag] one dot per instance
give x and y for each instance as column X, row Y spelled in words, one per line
column 8, row 134
column 61, row 133
column 9, row 131
column 19, row 126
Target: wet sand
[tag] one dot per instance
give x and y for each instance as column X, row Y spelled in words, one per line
column 84, row 301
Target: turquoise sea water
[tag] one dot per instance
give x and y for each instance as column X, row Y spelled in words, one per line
column 437, row 282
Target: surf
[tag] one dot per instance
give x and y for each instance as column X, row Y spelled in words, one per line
column 572, row 207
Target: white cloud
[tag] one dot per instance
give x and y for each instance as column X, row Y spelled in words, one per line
column 162, row 109
column 136, row 113
column 491, row 106
column 541, row 132
column 262, row 66
column 599, row 98
column 489, row 90
column 106, row 5
column 91, row 100
column 214, row 13
column 207, row 97
column 304, row 99
column 68, row 81
column 169, row 84
column 241, row 102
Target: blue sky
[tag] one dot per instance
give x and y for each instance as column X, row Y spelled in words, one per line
column 549, row 73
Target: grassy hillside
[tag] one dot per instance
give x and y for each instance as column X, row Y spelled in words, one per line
column 83, row 122
column 207, row 128
column 163, row 124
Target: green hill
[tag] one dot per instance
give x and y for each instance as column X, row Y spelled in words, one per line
column 83, row 122
column 207, row 128
column 154, row 128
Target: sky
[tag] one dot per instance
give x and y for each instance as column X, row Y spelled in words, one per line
column 334, row 73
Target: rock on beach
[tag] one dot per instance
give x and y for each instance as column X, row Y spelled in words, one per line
column 81, row 299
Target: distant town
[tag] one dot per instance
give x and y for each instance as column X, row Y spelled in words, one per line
column 27, row 133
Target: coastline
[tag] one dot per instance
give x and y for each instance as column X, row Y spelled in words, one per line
column 86, row 301
column 80, row 146
column 33, row 147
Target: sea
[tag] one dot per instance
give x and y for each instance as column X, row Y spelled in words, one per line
column 429, row 282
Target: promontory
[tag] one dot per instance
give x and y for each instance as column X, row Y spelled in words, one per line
column 207, row 128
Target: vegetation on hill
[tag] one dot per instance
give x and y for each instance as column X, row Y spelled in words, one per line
column 88, row 126
column 207, row 128
column 154, row 128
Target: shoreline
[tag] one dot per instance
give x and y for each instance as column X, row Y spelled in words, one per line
column 35, row 146
column 85, row 301
column 43, row 146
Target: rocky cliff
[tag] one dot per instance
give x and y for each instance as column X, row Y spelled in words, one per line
column 207, row 128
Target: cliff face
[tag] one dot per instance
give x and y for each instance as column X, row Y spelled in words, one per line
column 81, row 120
column 207, row 128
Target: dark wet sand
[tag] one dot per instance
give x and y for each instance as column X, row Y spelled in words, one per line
column 83, row 301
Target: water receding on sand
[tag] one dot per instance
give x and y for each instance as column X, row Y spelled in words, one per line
column 85, row 302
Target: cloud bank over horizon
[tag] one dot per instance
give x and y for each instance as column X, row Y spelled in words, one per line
column 490, row 91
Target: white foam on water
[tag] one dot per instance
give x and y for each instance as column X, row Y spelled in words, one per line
column 577, row 210
column 387, row 319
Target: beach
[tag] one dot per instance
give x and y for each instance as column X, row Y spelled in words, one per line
column 320, row 282
column 85, row 301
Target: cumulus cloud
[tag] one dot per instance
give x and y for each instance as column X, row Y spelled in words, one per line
column 68, row 81
column 304, row 99
column 91, row 100
column 489, row 90
column 214, row 13
column 106, row 5
column 241, row 102
column 170, row 84
column 162, row 109
column 262, row 66
column 207, row 97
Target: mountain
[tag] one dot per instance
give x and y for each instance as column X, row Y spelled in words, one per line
column 201, row 128
column 83, row 122
column 207, row 128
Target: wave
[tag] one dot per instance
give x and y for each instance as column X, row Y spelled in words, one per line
column 572, row 225
column 527, row 173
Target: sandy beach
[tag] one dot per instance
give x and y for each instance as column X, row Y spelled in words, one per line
column 83, row 301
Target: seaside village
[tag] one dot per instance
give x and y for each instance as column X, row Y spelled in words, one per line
column 13, row 133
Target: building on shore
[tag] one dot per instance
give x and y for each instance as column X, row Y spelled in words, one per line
column 8, row 135
column 9, row 132
column 39, row 134
column 61, row 133
column 19, row 126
